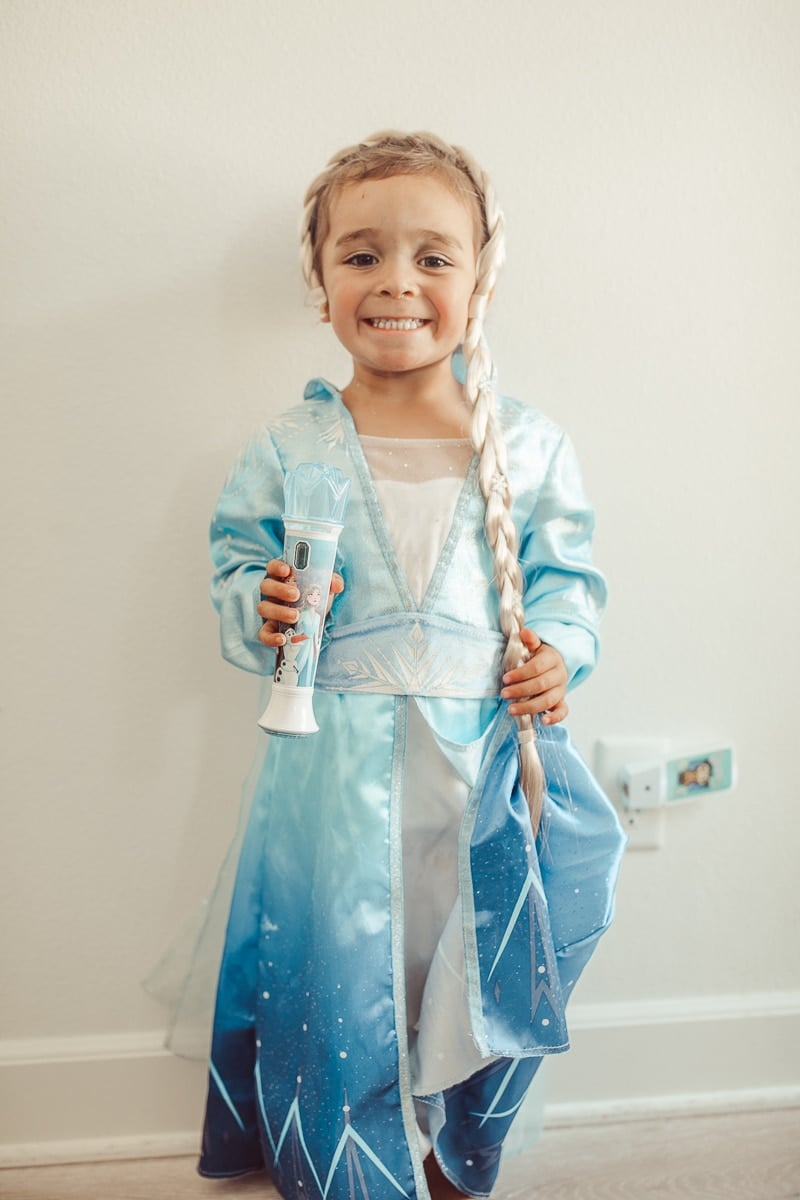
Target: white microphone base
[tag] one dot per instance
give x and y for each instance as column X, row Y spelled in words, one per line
column 290, row 711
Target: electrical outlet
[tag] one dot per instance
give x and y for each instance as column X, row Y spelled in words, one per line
column 644, row 827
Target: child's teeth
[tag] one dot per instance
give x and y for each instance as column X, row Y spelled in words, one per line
column 383, row 323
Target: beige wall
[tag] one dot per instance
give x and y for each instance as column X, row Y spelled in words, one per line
column 154, row 156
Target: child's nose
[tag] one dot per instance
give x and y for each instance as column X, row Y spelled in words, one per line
column 397, row 279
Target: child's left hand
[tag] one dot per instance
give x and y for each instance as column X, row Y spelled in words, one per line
column 539, row 685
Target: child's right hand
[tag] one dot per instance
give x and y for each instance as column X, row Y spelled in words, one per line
column 280, row 592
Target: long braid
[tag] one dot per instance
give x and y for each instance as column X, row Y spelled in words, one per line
column 490, row 446
column 394, row 153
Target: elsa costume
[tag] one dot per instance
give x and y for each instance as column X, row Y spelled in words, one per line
column 400, row 947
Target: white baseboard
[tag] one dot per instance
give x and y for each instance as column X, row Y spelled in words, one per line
column 122, row 1096
column 686, row 1104
column 634, row 1055
column 86, row 1150
column 77, row 1099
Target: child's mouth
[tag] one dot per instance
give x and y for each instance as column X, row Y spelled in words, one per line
column 406, row 323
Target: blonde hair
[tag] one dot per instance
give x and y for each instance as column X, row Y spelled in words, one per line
column 392, row 153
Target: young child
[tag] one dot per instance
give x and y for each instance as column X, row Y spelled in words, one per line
column 421, row 882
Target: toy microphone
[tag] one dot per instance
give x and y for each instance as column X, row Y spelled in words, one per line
column 315, row 496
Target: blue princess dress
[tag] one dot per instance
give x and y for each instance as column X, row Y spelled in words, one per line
column 400, row 948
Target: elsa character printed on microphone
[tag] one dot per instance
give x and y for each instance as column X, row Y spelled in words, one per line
column 309, row 627
column 297, row 659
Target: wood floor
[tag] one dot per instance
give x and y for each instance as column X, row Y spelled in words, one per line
column 752, row 1156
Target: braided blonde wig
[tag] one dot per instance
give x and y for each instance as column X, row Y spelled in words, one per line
column 393, row 153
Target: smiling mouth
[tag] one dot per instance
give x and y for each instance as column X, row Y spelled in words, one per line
column 407, row 323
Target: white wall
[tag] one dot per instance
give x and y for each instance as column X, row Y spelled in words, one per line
column 154, row 156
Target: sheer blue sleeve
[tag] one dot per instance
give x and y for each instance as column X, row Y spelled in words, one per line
column 564, row 593
column 246, row 532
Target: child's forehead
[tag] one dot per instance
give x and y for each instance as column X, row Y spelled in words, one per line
column 427, row 200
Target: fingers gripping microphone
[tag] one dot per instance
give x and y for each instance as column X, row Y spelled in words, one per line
column 315, row 496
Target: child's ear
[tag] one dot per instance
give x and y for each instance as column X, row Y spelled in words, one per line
column 324, row 312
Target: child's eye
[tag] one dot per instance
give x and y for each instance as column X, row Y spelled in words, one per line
column 362, row 259
column 434, row 261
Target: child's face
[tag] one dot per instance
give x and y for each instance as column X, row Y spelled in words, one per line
column 398, row 269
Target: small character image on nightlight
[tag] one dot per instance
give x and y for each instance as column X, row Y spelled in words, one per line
column 697, row 775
